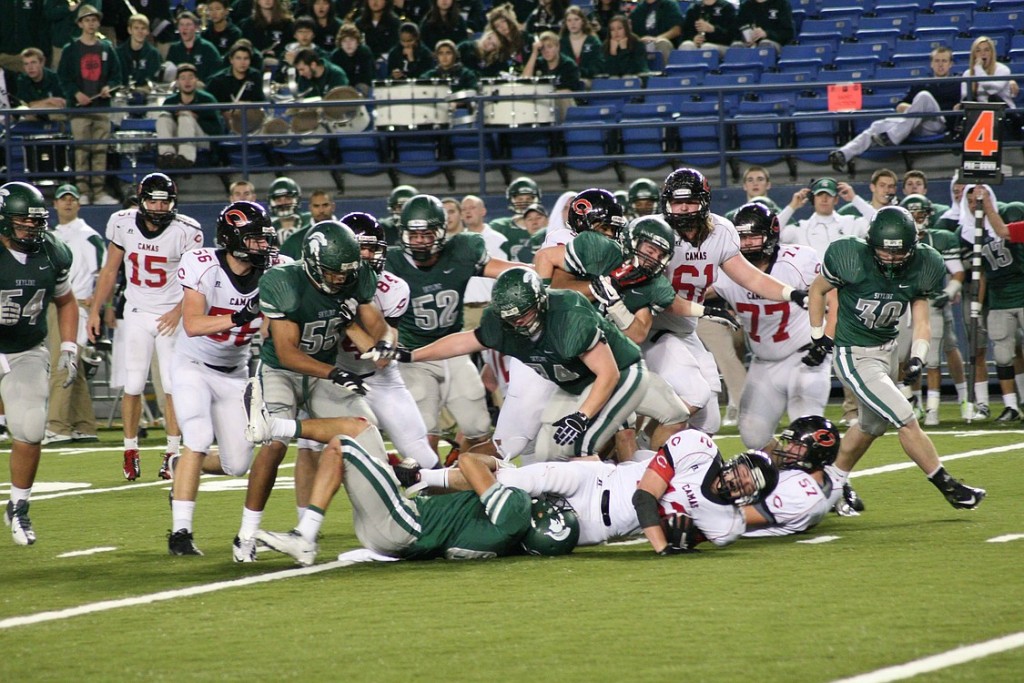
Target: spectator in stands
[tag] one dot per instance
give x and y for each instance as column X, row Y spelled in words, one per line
column 141, row 63
column 709, row 24
column 756, row 183
column 883, row 192
column 37, row 86
column 482, row 55
column 220, row 30
column 354, row 57
column 316, row 76
column 579, row 42
column 546, row 16
column 304, row 39
column 410, row 59
column 89, row 68
column 22, row 26
column 765, row 23
column 922, row 98
column 325, row 25
column 380, row 25
column 602, row 14
column 513, row 51
column 70, row 415
column 60, row 16
column 659, row 23
column 191, row 49
column 268, row 28
column 623, row 53
column 916, row 182
column 186, row 123
column 825, row 225
column 443, row 22
column 1000, row 89
column 547, row 60
column 242, row 191
column 450, row 69
column 239, row 82
column 453, row 213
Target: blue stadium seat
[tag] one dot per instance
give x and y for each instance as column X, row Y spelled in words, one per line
column 855, row 75
column 1002, row 24
column 694, row 73
column 803, row 81
column 902, row 23
column 828, row 28
column 699, row 131
column 812, row 128
column 903, row 8
column 854, row 55
column 964, row 8
column 649, row 139
column 710, row 58
column 802, row 56
column 730, row 99
column 599, row 86
column 760, row 140
column 845, row 12
column 585, row 135
column 360, row 153
column 527, row 150
column 670, row 81
column 745, row 58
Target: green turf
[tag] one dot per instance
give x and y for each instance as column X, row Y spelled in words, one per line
column 909, row 578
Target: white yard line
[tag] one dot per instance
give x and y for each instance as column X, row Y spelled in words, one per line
column 956, row 456
column 1006, row 538
column 943, row 660
column 88, row 551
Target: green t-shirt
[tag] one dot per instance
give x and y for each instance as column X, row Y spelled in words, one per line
column 590, row 254
column 303, row 221
column 26, row 290
column 870, row 304
column 436, row 293
column 571, row 327
column 287, row 293
column 466, row 526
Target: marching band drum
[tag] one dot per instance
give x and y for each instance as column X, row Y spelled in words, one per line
column 417, row 104
column 531, row 106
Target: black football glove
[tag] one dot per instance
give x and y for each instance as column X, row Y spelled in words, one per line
column 346, row 314
column 605, row 293
column 349, row 380
column 817, row 351
column 570, row 428
column 912, row 370
column 247, row 314
column 799, row 297
column 716, row 311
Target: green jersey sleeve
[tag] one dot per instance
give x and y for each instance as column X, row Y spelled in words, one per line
column 279, row 293
column 591, row 253
column 844, row 261
column 933, row 271
column 508, row 509
column 60, row 256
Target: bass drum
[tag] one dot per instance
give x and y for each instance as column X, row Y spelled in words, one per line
column 249, row 120
column 419, row 104
column 532, row 105
column 347, row 116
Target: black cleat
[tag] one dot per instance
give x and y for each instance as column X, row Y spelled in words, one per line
column 851, row 498
column 180, row 543
column 960, row 495
column 838, row 161
column 1008, row 415
column 407, row 471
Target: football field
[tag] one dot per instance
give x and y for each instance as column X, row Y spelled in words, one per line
column 910, row 588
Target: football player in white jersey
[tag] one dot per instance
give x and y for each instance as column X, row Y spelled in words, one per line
column 688, row 494
column 777, row 381
column 809, row 485
column 149, row 241
column 220, row 315
column 705, row 244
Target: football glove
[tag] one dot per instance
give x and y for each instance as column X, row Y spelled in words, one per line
column 716, row 311
column 570, row 428
column 247, row 314
column 385, row 350
column 346, row 314
column 403, row 355
column 349, row 380
column 68, row 361
column 799, row 297
column 627, row 276
column 817, row 351
column 912, row 370
column 604, row 291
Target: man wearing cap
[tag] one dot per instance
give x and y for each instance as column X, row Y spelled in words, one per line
column 194, row 50
column 825, row 225
column 89, row 68
column 186, row 123
column 71, row 416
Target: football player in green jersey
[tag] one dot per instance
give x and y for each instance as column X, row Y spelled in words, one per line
column 283, row 199
column 396, row 202
column 520, row 193
column 437, row 269
column 492, row 520
column 643, row 194
column 878, row 278
column 34, row 269
column 309, row 303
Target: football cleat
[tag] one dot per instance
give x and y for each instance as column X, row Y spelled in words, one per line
column 407, row 471
column 16, row 517
column 132, row 471
column 960, row 495
column 851, row 498
column 257, row 430
column 931, row 418
column 967, row 411
column 843, row 509
column 243, row 551
column 291, row 544
column 732, row 415
column 1009, row 415
column 180, row 543
column 452, row 458
column 53, row 437
column 167, row 466
column 981, row 411
column 838, row 161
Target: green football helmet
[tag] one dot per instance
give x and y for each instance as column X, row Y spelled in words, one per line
column 767, row 201
column 893, row 237
column 284, row 196
column 398, row 197
column 522, row 192
column 24, row 204
column 520, row 299
column 920, row 208
column 423, row 214
column 654, row 231
column 554, row 528
column 643, row 196
column 1012, row 212
column 330, row 256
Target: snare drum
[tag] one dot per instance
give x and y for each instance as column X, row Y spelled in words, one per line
column 46, row 154
column 133, row 141
column 306, row 124
column 252, row 122
column 344, row 118
column 532, row 106
column 427, row 108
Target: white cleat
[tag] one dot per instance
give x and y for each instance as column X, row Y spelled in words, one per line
column 16, row 517
column 257, row 430
column 931, row 418
column 290, row 543
column 243, row 550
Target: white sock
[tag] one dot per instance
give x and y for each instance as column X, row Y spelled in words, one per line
column 961, row 392
column 250, row 523
column 309, row 525
column 1010, row 401
column 173, row 443
column 933, row 400
column 131, row 444
column 18, row 495
column 181, row 514
column 299, row 510
column 281, row 428
column 981, row 393
column 436, row 478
